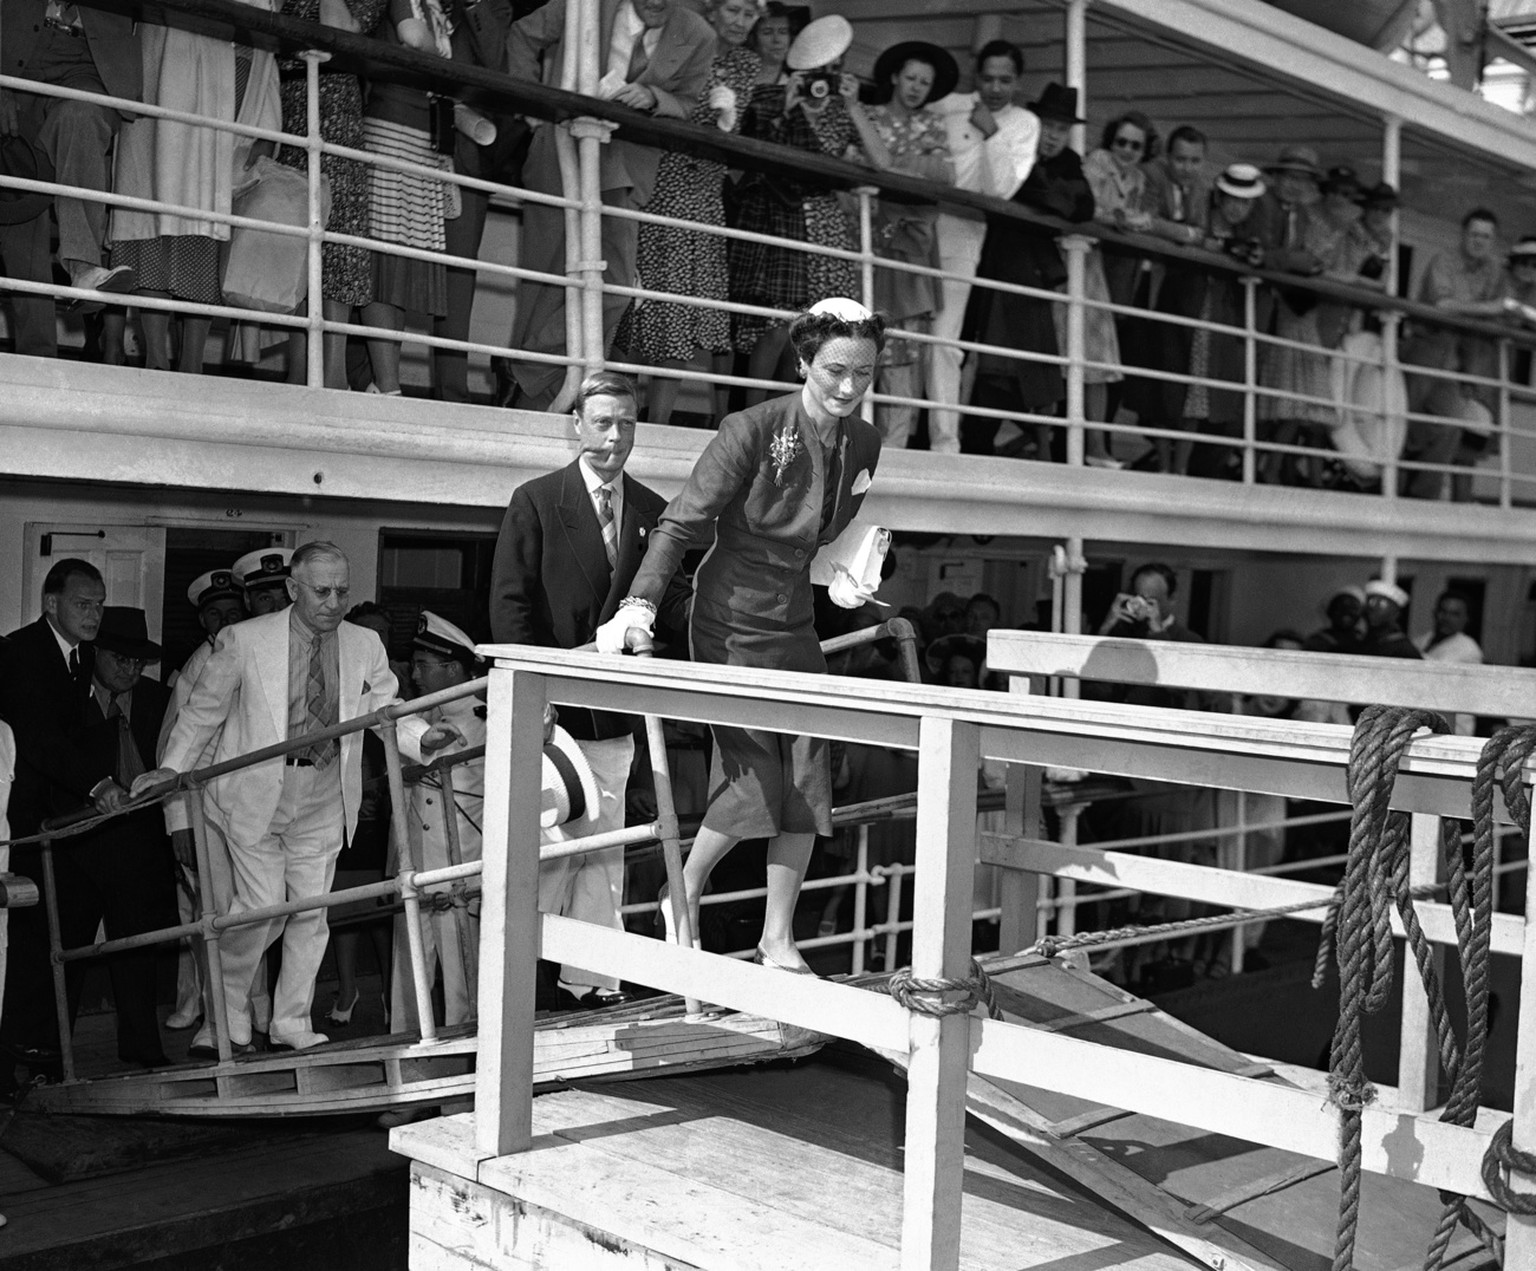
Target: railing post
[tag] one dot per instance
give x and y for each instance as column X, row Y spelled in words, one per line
column 591, row 136
column 1520, row 1229
column 410, row 898
column 1391, row 328
column 314, row 374
column 1239, row 862
column 1018, row 922
column 55, row 945
column 861, row 899
column 1250, row 378
column 509, row 912
column 213, row 958
column 1418, row 1061
column 939, row 1056
column 1502, row 430
column 866, row 195
column 1076, row 247
column 459, row 891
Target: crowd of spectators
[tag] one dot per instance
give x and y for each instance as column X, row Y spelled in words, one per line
column 770, row 73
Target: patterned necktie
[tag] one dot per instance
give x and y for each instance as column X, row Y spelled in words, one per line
column 129, row 764
column 610, row 529
column 322, row 752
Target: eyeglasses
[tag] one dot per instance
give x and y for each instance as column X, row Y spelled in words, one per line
column 137, row 664
column 322, row 594
column 1128, row 143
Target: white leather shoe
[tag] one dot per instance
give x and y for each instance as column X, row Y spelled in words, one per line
column 297, row 1041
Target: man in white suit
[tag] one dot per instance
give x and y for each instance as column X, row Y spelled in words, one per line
column 269, row 678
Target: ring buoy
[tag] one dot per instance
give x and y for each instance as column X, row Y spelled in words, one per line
column 1372, row 406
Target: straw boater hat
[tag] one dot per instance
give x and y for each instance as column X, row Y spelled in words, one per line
column 1241, row 181
column 216, row 584
column 570, row 789
column 124, row 631
column 1298, row 159
column 946, row 74
column 1387, row 591
column 820, row 44
column 1524, row 250
column 265, row 567
column 1057, row 103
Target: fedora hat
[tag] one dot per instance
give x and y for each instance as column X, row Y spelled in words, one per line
column 1298, row 159
column 1241, row 181
column 1382, row 194
column 125, row 632
column 1346, row 181
column 820, row 44
column 1057, row 102
column 570, row 789
column 20, row 158
column 946, row 73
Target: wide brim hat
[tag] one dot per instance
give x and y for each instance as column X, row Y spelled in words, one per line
column 1298, row 159
column 821, row 43
column 1057, row 102
column 946, row 71
column 1241, row 181
column 125, row 631
column 959, row 644
column 570, row 790
column 20, row 158
column 1387, row 591
column 216, row 584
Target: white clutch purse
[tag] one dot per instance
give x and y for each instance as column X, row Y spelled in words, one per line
column 849, row 566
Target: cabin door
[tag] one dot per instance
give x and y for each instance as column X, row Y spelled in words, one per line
column 131, row 559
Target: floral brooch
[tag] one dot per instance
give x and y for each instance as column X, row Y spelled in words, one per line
column 784, row 449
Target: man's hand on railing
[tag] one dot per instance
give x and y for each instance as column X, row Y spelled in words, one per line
column 184, row 849
column 636, row 95
column 151, row 778
column 108, row 796
column 438, row 736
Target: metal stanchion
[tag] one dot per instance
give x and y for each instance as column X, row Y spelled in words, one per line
column 55, row 946
column 213, row 961
column 408, row 893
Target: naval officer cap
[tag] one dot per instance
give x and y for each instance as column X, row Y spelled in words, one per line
column 438, row 635
column 216, row 584
column 265, row 567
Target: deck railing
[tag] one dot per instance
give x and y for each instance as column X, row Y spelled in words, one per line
column 952, row 731
column 1373, row 456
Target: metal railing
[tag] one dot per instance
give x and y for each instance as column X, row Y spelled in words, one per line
column 1443, row 443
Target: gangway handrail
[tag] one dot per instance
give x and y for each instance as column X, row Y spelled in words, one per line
column 1502, row 691
column 477, row 85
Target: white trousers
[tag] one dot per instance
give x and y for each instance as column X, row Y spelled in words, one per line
column 590, row 888
column 960, row 243
column 295, row 857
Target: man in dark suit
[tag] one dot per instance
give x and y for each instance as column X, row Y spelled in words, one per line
column 45, row 673
column 653, row 55
column 94, row 50
column 120, row 874
column 570, row 544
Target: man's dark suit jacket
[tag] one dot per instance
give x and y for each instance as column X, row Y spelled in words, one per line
column 110, row 36
column 46, row 710
column 551, row 584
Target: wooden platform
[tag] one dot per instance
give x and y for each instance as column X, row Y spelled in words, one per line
column 375, row 1073
column 767, row 1170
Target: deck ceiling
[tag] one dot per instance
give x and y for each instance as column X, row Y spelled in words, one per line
column 1248, row 110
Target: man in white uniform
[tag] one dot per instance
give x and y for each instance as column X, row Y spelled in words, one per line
column 1449, row 642
column 992, row 142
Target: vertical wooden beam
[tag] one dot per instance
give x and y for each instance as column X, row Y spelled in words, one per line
column 1018, row 923
column 1520, row 1231
column 1418, row 1056
column 509, row 914
column 948, row 754
column 1076, row 68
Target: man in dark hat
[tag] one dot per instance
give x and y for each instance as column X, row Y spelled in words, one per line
column 96, row 50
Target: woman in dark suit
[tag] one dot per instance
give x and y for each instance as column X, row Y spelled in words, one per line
column 778, row 481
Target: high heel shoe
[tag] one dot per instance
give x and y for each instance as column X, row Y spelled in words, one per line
column 664, row 929
column 342, row 1017
column 762, row 959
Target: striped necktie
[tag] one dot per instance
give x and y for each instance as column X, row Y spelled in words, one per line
column 610, row 529
column 322, row 752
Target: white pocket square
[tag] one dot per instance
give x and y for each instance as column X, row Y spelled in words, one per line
column 862, row 482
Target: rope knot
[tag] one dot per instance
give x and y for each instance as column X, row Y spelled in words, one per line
column 927, row 996
column 1349, row 1094
column 1501, row 1160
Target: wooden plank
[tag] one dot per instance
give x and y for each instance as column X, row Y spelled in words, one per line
column 1520, row 1234
column 1288, row 1176
column 1070, row 1127
column 938, row 1054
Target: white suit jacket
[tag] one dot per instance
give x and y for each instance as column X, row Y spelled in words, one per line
column 243, row 690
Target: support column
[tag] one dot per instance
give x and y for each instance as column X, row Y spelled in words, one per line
column 1077, row 66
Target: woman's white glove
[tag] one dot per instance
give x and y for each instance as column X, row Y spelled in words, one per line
column 846, row 592
column 722, row 100
column 610, row 636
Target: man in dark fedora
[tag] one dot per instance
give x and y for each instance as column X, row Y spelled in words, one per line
column 94, row 50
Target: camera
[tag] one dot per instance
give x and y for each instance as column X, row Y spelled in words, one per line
column 1373, row 267
column 1138, row 609
column 1248, row 250
column 819, row 85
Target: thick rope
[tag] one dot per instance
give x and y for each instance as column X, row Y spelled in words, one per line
column 1499, row 1160
column 1358, row 933
column 926, row 996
